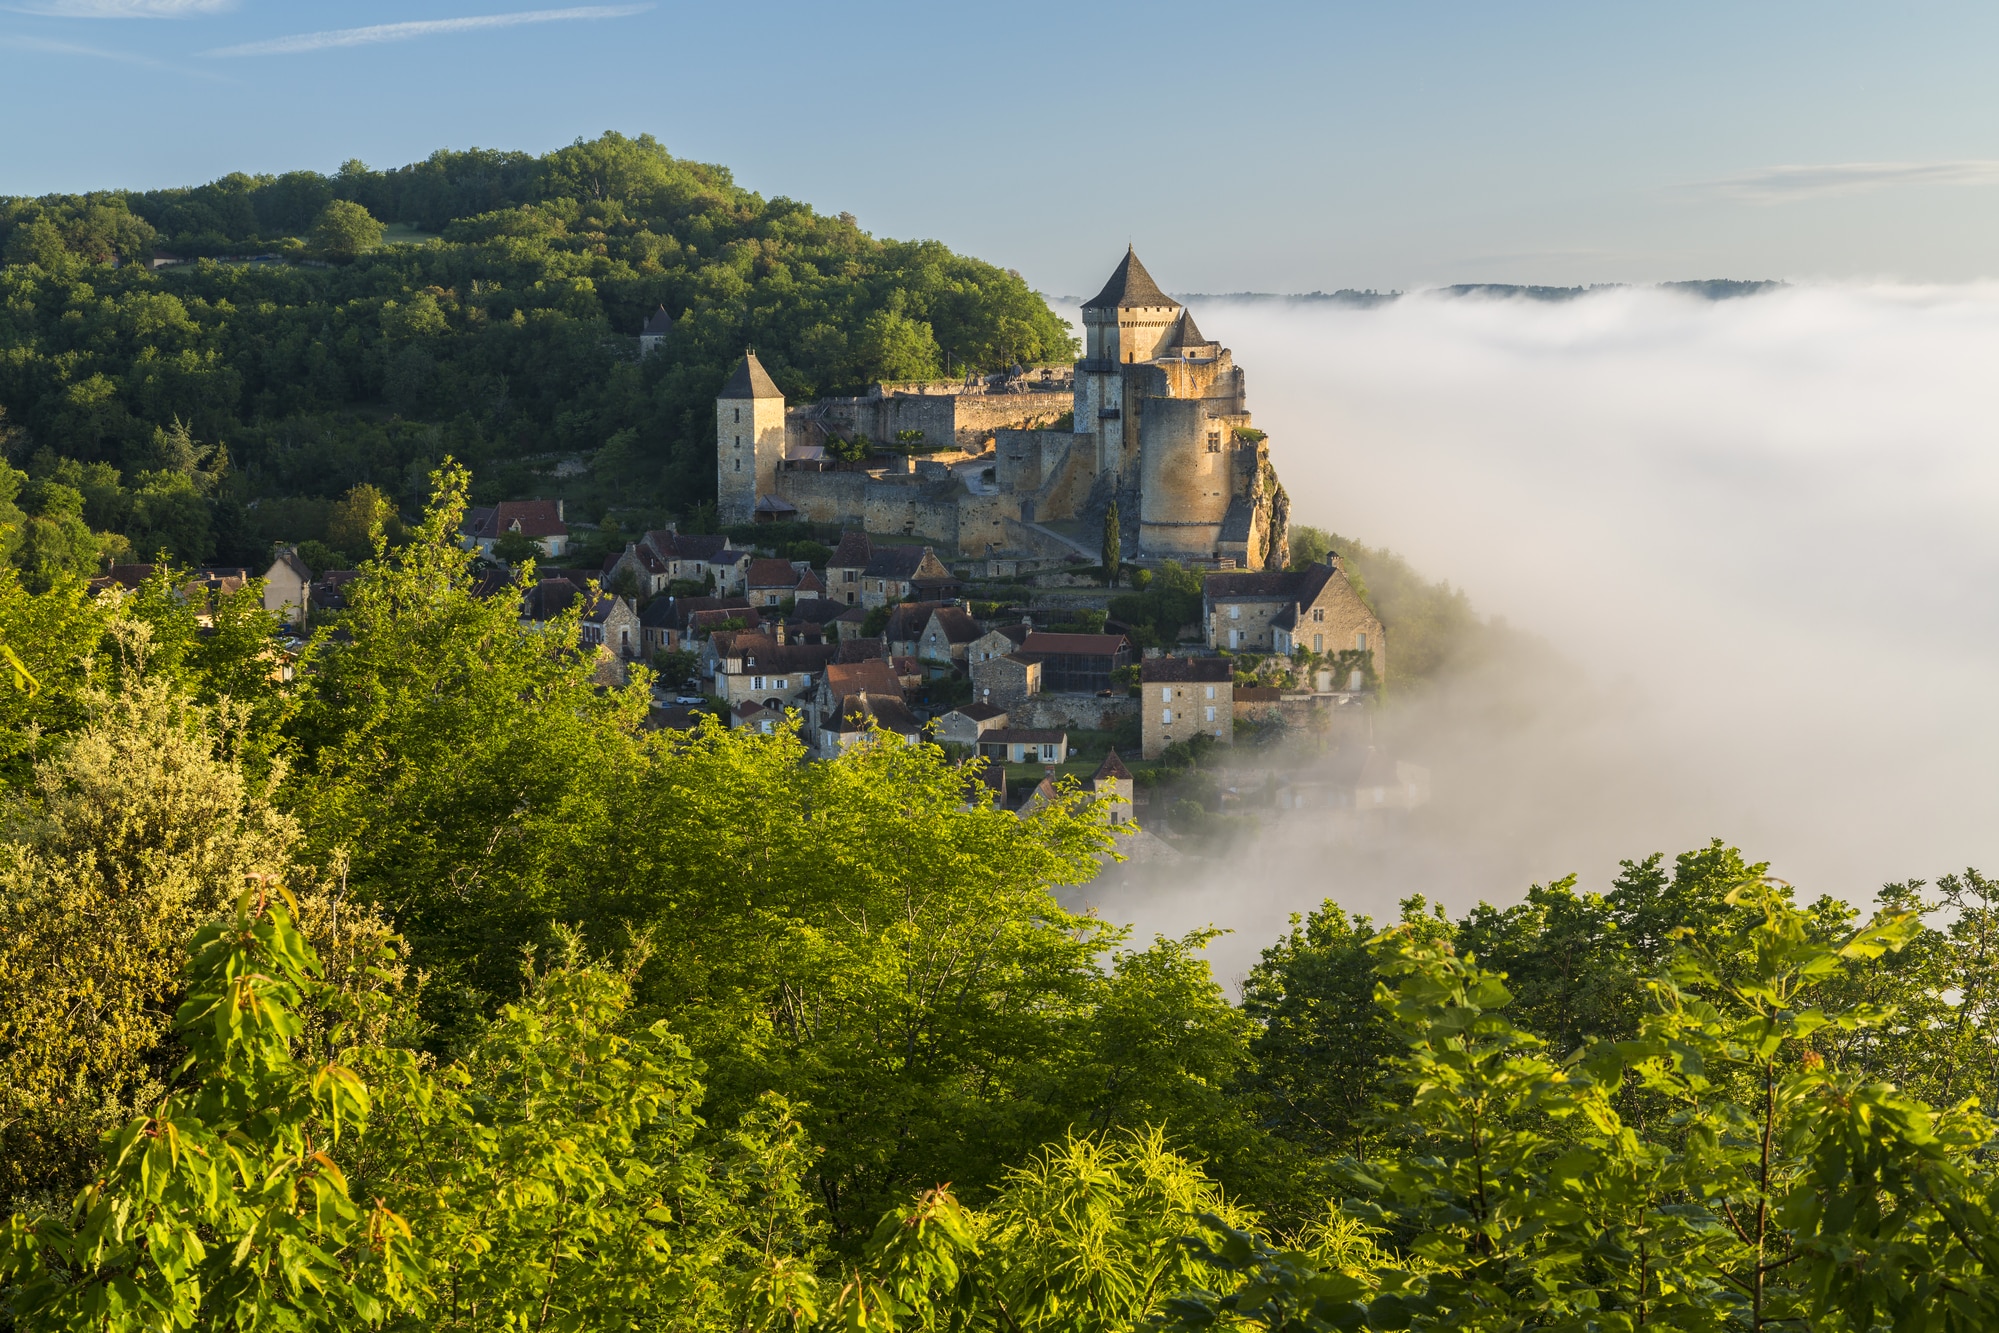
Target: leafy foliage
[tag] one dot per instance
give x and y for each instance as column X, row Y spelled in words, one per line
column 508, row 338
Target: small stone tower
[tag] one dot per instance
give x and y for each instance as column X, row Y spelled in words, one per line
column 749, row 441
column 653, row 336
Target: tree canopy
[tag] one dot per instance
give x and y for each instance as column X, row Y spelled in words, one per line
column 497, row 323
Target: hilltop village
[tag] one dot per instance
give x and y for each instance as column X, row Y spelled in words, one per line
column 1066, row 571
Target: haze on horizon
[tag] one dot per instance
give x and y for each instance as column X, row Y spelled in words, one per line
column 1282, row 147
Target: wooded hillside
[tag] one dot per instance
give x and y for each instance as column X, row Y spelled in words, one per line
column 495, row 322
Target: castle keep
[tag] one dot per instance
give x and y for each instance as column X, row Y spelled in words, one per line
column 1154, row 417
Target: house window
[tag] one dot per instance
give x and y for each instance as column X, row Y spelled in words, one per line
column 1360, row 641
column 1166, row 693
column 1319, row 613
column 757, row 682
column 1211, row 714
column 1318, row 643
column 1211, row 694
column 1235, row 613
column 779, row 684
column 1166, row 716
column 1048, row 753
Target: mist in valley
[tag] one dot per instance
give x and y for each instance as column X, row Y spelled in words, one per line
column 1745, row 556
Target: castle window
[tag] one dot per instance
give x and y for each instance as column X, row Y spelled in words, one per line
column 1166, row 716
column 739, row 465
column 1166, row 693
column 739, row 417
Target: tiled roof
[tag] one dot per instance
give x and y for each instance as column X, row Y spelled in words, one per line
column 809, row 582
column 1300, row 585
column 957, row 624
column 907, row 621
column 751, row 380
column 863, row 650
column 1112, row 767
column 1086, row 645
column 769, row 573
column 1257, row 694
column 874, row 675
column 885, row 710
column 1130, row 285
column 979, row 712
column 853, row 552
column 896, row 562
column 530, row 518
column 1198, row 669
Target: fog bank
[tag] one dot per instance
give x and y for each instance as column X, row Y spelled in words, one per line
column 1761, row 529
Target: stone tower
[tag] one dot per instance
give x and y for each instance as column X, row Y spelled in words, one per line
column 749, row 441
column 1124, row 324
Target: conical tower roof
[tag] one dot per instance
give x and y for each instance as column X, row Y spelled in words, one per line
column 751, row 380
column 1130, row 286
column 1185, row 334
column 1112, row 767
column 661, row 322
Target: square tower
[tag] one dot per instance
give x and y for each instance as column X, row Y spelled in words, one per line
column 749, row 441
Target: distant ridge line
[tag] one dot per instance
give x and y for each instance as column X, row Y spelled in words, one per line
column 1712, row 289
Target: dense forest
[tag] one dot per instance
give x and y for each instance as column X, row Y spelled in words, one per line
column 332, row 331
column 421, row 986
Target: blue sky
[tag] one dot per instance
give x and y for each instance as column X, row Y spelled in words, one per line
column 1277, row 147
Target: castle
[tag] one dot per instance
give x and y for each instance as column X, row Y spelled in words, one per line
column 1154, row 418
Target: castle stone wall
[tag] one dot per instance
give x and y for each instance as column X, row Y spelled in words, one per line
column 1186, row 481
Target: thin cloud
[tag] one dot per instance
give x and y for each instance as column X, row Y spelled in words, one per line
column 403, row 32
column 1771, row 185
column 78, row 49
column 125, row 9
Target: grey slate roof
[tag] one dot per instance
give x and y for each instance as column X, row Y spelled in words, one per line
column 1186, row 669
column 661, row 322
column 751, row 380
column 854, row 551
column 1129, row 286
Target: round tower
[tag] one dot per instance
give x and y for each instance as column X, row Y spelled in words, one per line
column 749, row 440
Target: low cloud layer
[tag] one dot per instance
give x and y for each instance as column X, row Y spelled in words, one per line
column 1761, row 530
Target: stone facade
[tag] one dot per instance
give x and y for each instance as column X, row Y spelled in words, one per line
column 1314, row 610
column 1158, row 421
column 1185, row 697
column 749, row 441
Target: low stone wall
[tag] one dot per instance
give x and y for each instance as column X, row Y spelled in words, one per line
column 1078, row 712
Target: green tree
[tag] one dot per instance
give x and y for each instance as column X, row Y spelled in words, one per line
column 359, row 523
column 344, row 231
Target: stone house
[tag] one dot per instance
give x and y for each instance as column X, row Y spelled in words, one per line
column 539, row 520
column 1185, row 697
column 857, row 716
column 752, row 666
column 906, row 623
column 1023, row 745
column 966, row 724
column 288, row 587
column 893, row 573
column 844, row 569
column 731, row 569
column 773, row 581
column 662, row 555
column 874, row 676
column 610, row 622
column 655, row 331
column 750, row 715
column 1007, row 682
column 1314, row 609
column 1111, row 783
column 997, row 643
column 948, row 637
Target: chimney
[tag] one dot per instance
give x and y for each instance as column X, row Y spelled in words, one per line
column 780, row 634
column 558, row 512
